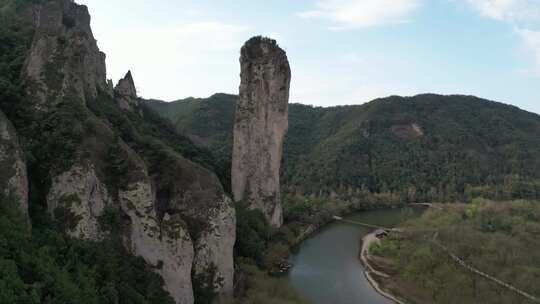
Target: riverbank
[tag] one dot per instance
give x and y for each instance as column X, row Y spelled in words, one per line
column 436, row 259
column 269, row 249
column 376, row 276
column 326, row 217
column 370, row 272
column 326, row 266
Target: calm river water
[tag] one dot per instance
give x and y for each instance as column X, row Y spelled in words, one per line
column 326, row 266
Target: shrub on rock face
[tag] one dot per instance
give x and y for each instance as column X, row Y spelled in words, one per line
column 204, row 285
column 252, row 233
column 110, row 220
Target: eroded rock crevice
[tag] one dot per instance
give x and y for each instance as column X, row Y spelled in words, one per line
column 261, row 122
column 13, row 175
column 111, row 164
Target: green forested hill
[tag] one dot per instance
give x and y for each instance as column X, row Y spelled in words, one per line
column 424, row 147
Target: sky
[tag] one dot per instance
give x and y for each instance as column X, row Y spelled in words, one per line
column 340, row 51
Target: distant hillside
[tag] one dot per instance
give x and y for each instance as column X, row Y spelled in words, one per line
column 424, row 147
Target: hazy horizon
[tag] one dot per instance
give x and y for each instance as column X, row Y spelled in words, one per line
column 342, row 52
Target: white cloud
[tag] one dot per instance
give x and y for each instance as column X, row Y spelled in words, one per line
column 347, row 14
column 531, row 40
column 337, row 86
column 209, row 36
column 520, row 14
column 508, row 10
column 174, row 48
column 165, row 59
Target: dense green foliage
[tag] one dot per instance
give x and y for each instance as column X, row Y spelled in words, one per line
column 259, row 250
column 498, row 238
column 259, row 288
column 153, row 137
column 204, row 289
column 50, row 146
column 252, row 233
column 45, row 266
column 15, row 39
column 388, row 151
column 427, row 147
column 212, row 118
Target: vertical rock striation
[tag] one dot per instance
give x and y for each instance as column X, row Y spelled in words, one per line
column 260, row 125
column 66, row 70
column 162, row 240
column 64, row 60
column 13, row 176
column 176, row 214
column 77, row 198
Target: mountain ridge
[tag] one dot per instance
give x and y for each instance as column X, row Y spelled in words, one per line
column 232, row 95
column 469, row 128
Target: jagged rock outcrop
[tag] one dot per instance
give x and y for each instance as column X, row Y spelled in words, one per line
column 214, row 246
column 13, row 175
column 64, row 67
column 164, row 242
column 64, row 60
column 77, row 198
column 260, row 126
column 183, row 229
column 177, row 216
column 197, row 195
column 125, row 93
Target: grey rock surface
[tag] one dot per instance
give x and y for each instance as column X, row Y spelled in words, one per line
column 78, row 198
column 13, row 175
column 261, row 121
column 64, row 60
column 125, row 93
column 178, row 218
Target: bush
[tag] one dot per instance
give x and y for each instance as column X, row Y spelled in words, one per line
column 204, row 285
column 48, row 267
column 252, row 233
column 263, row 289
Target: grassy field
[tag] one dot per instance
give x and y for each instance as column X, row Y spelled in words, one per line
column 498, row 238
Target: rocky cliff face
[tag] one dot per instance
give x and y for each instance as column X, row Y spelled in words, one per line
column 13, row 178
column 125, row 93
column 177, row 216
column 77, row 198
column 181, row 223
column 260, row 126
column 162, row 240
column 65, row 69
column 64, row 60
column 211, row 219
column 191, row 220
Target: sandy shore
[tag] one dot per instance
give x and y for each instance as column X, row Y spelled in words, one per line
column 370, row 272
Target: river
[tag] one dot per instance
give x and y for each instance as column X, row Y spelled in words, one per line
column 326, row 265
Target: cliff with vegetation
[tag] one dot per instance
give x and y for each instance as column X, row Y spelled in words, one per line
column 13, row 179
column 103, row 167
column 422, row 148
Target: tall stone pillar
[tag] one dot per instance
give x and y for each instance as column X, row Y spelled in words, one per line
column 261, row 121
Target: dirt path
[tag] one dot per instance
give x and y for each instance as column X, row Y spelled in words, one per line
column 470, row 268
